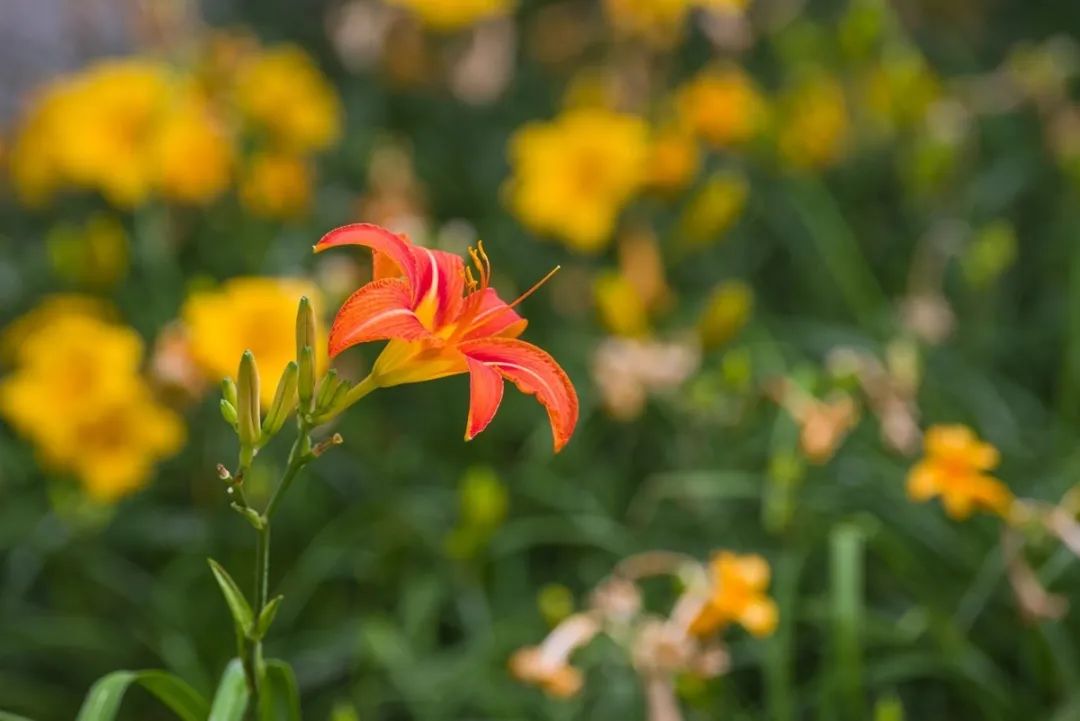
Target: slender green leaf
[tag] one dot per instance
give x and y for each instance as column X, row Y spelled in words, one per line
column 103, row 701
column 234, row 597
column 846, row 544
column 231, row 698
column 280, row 694
column 266, row 617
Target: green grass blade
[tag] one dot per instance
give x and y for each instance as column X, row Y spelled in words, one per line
column 103, row 701
column 846, row 544
column 282, row 698
column 231, row 698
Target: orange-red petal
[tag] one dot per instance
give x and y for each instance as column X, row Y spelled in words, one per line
column 485, row 395
column 379, row 310
column 534, row 372
column 493, row 317
column 384, row 244
column 440, row 282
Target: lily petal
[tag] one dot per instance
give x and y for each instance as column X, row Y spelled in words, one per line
column 385, row 246
column 379, row 310
column 485, row 395
column 494, row 317
column 440, row 281
column 534, row 372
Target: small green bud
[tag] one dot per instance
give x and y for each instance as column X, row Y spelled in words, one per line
column 335, row 400
column 305, row 326
column 284, row 402
column 305, row 382
column 228, row 412
column 328, row 387
column 247, row 401
column 228, row 390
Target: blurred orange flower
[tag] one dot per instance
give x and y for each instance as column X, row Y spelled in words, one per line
column 441, row 321
column 738, row 594
column 955, row 467
column 722, row 105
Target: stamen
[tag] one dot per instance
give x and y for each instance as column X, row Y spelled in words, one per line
column 536, row 286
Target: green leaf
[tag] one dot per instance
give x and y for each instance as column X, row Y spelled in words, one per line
column 266, row 617
column 238, row 605
column 280, row 695
column 5, row 716
column 231, row 699
column 103, row 701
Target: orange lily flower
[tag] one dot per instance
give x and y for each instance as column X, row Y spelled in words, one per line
column 441, row 320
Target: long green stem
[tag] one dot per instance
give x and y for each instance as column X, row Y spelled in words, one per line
column 299, row 456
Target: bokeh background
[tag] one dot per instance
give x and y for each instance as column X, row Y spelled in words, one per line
column 792, row 235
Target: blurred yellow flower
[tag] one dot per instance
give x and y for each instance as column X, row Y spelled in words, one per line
column 257, row 314
column 956, row 468
column 658, row 22
column 282, row 93
column 900, row 90
column 125, row 128
column 813, row 124
column 722, row 105
column 573, row 175
column 713, row 209
column 674, row 160
column 276, row 185
column 621, row 309
column 76, row 393
column 738, row 594
column 192, row 152
column 726, row 313
column 447, row 16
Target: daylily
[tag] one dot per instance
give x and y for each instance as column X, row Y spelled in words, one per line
column 442, row 320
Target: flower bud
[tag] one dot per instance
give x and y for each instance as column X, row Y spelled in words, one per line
column 328, row 388
column 247, row 401
column 305, row 326
column 305, row 381
column 228, row 412
column 228, row 391
column 284, row 402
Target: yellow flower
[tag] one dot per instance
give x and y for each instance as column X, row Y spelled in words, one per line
column 714, row 209
column 449, row 16
column 111, row 118
column 813, row 125
column 722, row 105
column 192, row 152
column 125, row 128
column 956, row 468
column 276, row 185
column 726, row 313
column 621, row 308
column 674, row 160
column 573, row 175
column 257, row 314
column 76, row 393
column 737, row 595
column 282, row 93
column 658, row 22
